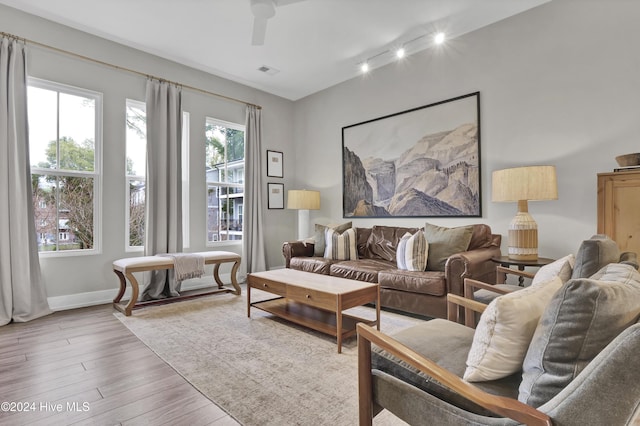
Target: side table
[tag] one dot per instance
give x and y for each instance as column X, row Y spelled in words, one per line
column 507, row 262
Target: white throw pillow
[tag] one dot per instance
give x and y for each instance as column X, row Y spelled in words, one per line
column 505, row 330
column 562, row 267
column 340, row 246
column 411, row 254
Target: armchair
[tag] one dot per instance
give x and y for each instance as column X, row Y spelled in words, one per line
column 417, row 373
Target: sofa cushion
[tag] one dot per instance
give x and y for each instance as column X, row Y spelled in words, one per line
column 319, row 237
column 383, row 241
column 360, row 270
column 446, row 343
column 411, row 254
column 505, row 330
column 593, row 254
column 340, row 246
column 481, row 237
column 583, row 317
column 362, row 238
column 423, row 282
column 317, row 265
column 444, row 242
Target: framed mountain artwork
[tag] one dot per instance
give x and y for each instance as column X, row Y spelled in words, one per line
column 423, row 162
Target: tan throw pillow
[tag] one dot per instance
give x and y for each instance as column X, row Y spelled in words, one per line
column 562, row 267
column 318, row 236
column 411, row 254
column 444, row 242
column 340, row 246
column 505, row 330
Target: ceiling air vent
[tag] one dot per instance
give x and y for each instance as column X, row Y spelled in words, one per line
column 268, row 70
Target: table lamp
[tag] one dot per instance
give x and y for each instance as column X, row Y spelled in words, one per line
column 303, row 201
column 523, row 184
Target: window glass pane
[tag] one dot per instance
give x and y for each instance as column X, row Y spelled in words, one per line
column 77, row 132
column 136, row 212
column 42, row 107
column 45, row 211
column 136, row 138
column 76, row 212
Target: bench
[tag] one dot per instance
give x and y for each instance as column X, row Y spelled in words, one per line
column 125, row 268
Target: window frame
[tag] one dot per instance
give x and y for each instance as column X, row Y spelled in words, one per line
column 235, row 126
column 97, row 174
column 185, row 143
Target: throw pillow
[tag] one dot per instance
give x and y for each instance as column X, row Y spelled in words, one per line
column 562, row 268
column 318, row 236
column 412, row 252
column 340, row 246
column 583, row 317
column 444, row 242
column 593, row 254
column 505, row 330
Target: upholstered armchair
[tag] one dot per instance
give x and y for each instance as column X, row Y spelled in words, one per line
column 575, row 363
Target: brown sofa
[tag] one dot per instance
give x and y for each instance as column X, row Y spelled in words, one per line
column 422, row 292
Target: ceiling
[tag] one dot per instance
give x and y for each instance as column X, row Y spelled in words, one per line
column 313, row 44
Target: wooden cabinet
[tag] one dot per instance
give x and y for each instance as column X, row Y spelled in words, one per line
column 619, row 208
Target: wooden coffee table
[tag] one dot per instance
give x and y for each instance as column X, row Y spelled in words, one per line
column 315, row 301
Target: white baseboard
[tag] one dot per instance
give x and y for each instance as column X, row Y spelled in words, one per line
column 82, row 300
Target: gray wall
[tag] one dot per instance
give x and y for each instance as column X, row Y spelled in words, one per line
column 74, row 275
column 559, row 85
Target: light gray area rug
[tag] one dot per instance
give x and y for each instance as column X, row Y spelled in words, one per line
column 261, row 370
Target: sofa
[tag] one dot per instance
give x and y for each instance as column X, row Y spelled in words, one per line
column 557, row 352
column 453, row 255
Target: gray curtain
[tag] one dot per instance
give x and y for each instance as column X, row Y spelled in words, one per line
column 253, row 253
column 22, row 293
column 163, row 199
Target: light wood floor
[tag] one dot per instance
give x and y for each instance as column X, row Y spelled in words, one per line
column 84, row 367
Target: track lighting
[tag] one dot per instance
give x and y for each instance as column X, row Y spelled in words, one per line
column 407, row 47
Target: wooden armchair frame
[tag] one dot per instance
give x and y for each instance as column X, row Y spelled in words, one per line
column 506, row 407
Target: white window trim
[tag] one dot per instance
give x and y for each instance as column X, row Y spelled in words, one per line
column 97, row 174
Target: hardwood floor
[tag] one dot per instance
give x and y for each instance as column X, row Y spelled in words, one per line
column 84, row 367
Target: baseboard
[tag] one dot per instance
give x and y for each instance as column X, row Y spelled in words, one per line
column 82, row 300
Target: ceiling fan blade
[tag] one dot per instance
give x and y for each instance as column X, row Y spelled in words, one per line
column 259, row 31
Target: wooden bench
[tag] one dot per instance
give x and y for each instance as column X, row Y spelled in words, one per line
column 125, row 268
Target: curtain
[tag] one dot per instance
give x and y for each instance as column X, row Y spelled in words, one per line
column 22, row 293
column 163, row 199
column 253, row 252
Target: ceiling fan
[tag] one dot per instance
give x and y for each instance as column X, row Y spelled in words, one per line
column 263, row 10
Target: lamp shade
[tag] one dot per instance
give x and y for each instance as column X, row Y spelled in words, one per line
column 301, row 199
column 525, row 183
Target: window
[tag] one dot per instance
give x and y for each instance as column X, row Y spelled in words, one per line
column 136, row 168
column 64, row 148
column 225, row 180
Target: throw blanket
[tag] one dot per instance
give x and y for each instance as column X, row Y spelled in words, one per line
column 186, row 265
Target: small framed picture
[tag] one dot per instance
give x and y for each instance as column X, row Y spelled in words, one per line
column 276, row 195
column 274, row 164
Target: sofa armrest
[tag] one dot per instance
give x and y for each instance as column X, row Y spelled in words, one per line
column 503, row 406
column 294, row 249
column 474, row 264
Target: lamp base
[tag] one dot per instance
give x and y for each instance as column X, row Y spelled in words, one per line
column 523, row 237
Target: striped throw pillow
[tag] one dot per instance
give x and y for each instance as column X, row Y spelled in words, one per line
column 412, row 252
column 340, row 246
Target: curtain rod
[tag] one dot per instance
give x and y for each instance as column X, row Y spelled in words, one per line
column 107, row 64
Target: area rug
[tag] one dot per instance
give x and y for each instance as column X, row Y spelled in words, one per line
column 261, row 370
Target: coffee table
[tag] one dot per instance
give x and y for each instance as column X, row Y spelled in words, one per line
column 315, row 301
